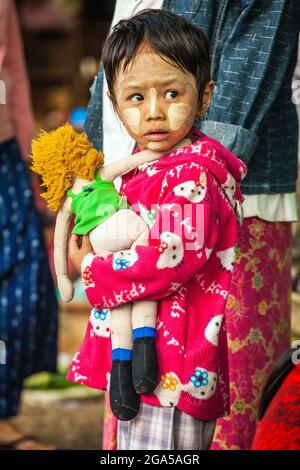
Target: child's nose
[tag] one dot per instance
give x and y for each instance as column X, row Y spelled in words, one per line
column 154, row 108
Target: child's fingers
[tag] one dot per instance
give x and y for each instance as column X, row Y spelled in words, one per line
column 74, row 242
column 79, row 241
column 86, row 244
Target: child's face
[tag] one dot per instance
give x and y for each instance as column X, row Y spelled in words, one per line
column 156, row 101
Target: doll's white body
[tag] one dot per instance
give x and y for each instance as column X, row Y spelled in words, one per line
column 120, row 233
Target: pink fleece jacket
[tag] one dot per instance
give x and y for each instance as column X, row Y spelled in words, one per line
column 192, row 203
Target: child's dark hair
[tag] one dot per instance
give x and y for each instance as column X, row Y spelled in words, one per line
column 170, row 35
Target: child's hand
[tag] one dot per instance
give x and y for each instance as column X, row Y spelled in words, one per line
column 79, row 247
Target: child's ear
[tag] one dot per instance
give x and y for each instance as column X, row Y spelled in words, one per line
column 206, row 98
column 110, row 97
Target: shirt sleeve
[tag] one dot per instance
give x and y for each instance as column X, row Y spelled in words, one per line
column 180, row 242
column 260, row 45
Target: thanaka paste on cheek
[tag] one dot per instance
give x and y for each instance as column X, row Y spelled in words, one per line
column 178, row 114
column 132, row 117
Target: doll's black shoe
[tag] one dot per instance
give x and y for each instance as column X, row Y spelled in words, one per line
column 124, row 401
column 144, row 365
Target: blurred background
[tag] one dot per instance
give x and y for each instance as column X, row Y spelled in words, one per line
column 62, row 45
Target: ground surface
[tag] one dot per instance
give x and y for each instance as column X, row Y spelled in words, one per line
column 70, row 419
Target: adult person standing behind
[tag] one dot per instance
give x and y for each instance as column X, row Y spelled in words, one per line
column 253, row 48
column 28, row 307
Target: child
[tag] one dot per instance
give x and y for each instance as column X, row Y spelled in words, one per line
column 157, row 67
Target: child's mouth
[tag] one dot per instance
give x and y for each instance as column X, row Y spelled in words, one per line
column 157, row 135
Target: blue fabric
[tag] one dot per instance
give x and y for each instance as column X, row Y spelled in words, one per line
column 143, row 332
column 121, row 354
column 254, row 48
column 28, row 307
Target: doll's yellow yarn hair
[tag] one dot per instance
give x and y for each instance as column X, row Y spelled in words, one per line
column 59, row 157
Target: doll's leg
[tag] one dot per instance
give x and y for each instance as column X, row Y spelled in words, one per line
column 144, row 358
column 124, row 400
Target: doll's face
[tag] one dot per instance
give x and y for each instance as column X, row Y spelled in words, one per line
column 157, row 101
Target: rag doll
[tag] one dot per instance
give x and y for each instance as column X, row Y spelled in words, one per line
column 75, row 181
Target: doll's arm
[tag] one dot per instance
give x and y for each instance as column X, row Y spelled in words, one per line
column 124, row 165
column 65, row 285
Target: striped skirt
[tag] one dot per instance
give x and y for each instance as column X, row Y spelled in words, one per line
column 164, row 428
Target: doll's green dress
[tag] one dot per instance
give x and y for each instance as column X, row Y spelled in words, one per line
column 95, row 203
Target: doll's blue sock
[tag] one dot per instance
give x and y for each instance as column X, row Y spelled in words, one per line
column 143, row 332
column 121, row 354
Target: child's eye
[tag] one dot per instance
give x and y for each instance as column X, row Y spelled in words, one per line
column 136, row 97
column 171, row 94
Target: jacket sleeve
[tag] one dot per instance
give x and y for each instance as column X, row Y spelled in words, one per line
column 180, row 241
